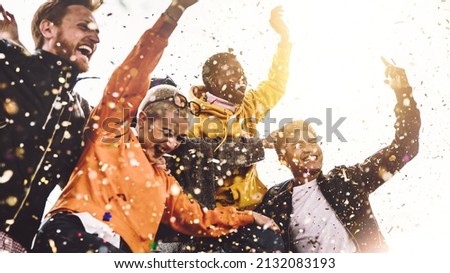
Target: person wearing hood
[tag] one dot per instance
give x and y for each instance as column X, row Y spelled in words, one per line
column 216, row 164
column 229, row 114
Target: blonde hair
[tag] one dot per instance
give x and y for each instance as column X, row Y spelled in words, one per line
column 290, row 133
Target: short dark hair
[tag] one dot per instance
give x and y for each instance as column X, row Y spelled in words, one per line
column 212, row 65
column 158, row 81
column 54, row 11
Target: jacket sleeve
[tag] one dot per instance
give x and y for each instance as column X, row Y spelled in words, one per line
column 185, row 215
column 129, row 82
column 258, row 102
column 381, row 166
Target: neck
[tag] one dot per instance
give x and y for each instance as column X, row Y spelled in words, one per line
column 303, row 178
column 220, row 102
column 301, row 181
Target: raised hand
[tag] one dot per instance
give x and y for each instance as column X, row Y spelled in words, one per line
column 9, row 29
column 277, row 23
column 396, row 76
column 8, row 26
column 177, row 7
column 183, row 3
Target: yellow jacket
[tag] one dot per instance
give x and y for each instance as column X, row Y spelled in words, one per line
column 217, row 121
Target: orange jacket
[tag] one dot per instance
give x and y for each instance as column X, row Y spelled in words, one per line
column 114, row 181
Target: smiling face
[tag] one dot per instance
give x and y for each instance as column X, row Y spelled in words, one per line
column 75, row 38
column 297, row 147
column 159, row 136
column 162, row 122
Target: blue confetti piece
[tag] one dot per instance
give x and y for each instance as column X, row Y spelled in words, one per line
column 107, row 216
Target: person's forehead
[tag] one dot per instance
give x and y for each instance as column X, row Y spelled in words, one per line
column 295, row 128
column 296, row 133
column 171, row 119
column 230, row 66
column 80, row 12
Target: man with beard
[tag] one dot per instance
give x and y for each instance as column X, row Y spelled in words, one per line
column 332, row 213
column 41, row 117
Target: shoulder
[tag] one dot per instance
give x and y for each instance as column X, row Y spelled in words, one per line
column 8, row 47
column 12, row 55
column 337, row 171
column 280, row 187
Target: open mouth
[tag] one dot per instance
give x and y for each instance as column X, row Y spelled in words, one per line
column 85, row 50
column 310, row 158
column 159, row 151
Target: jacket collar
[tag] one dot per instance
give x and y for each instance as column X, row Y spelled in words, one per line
column 220, row 102
column 58, row 63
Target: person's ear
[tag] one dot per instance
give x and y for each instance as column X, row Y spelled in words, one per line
column 140, row 122
column 48, row 29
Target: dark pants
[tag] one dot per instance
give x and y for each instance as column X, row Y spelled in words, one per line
column 64, row 233
column 251, row 238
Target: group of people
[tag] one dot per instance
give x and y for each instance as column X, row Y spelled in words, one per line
column 146, row 161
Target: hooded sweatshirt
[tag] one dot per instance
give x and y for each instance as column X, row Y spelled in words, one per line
column 219, row 120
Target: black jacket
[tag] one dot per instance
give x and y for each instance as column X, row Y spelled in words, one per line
column 347, row 188
column 41, row 126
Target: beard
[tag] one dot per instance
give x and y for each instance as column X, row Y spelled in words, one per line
column 68, row 51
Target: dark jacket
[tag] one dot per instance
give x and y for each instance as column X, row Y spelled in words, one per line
column 198, row 165
column 347, row 188
column 41, row 126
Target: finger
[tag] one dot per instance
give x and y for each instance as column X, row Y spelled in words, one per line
column 277, row 8
column 4, row 12
column 277, row 11
column 11, row 16
column 386, row 63
column 275, row 228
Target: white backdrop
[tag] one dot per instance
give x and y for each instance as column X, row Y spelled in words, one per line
column 335, row 64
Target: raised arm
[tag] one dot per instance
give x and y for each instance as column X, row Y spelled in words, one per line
column 270, row 91
column 130, row 81
column 381, row 166
column 277, row 23
column 9, row 29
column 185, row 215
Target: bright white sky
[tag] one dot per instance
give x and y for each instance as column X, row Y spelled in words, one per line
column 335, row 64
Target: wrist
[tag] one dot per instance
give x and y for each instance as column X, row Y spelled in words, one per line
column 253, row 216
column 403, row 93
column 178, row 6
column 174, row 12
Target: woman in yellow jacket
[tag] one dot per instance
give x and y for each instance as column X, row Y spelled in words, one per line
column 230, row 113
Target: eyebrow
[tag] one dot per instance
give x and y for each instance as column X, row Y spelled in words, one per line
column 166, row 129
column 88, row 22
